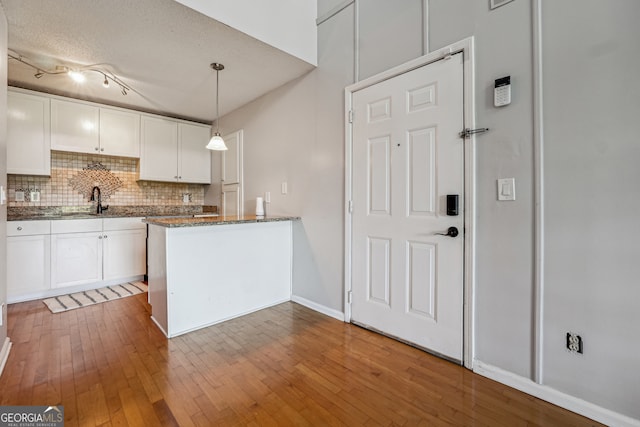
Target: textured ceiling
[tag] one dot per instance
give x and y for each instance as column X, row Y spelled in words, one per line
column 160, row 48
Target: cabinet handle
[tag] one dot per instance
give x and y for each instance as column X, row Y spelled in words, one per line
column 105, row 236
column 176, row 177
column 179, row 177
column 99, row 237
column 96, row 148
column 102, row 149
column 19, row 228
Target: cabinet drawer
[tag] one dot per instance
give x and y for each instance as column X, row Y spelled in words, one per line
column 28, row 228
column 76, row 226
column 110, row 224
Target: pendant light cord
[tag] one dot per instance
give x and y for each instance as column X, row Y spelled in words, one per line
column 217, row 101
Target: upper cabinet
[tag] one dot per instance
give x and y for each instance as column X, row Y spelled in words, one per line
column 159, row 149
column 119, row 133
column 174, row 151
column 75, row 127
column 170, row 150
column 28, row 134
column 194, row 160
column 87, row 128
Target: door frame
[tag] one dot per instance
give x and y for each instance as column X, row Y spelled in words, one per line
column 239, row 134
column 466, row 46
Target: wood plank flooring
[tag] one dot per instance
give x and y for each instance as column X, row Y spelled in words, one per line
column 109, row 365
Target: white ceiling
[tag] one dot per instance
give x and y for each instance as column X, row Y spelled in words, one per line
column 160, row 48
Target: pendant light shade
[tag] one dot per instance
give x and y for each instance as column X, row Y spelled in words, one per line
column 216, row 142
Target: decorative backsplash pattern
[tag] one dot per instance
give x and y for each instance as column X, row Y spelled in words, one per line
column 67, row 170
column 95, row 174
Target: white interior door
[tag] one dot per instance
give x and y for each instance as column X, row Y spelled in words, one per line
column 407, row 280
column 231, row 168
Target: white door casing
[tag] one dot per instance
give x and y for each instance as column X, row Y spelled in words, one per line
column 232, row 175
column 399, row 203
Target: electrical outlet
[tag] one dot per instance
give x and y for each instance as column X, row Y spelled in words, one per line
column 574, row 342
column 35, row 196
column 19, row 196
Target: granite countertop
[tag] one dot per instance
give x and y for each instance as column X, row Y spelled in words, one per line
column 72, row 212
column 219, row 220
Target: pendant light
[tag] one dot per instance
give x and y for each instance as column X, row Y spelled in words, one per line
column 216, row 142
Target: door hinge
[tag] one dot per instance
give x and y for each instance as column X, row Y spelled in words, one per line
column 349, row 297
column 468, row 132
column 350, row 207
column 350, row 116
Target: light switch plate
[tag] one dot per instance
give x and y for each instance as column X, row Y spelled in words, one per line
column 506, row 189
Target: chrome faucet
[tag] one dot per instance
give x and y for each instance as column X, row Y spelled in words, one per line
column 99, row 208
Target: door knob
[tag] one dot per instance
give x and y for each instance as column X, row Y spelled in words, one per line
column 451, row 232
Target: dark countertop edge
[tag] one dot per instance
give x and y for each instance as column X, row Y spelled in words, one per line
column 201, row 222
column 82, row 216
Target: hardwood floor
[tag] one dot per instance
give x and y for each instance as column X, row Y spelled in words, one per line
column 109, row 365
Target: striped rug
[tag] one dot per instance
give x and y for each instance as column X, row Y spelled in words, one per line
column 94, row 296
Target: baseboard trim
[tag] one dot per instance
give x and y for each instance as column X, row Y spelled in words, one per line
column 551, row 395
column 4, row 353
column 318, row 307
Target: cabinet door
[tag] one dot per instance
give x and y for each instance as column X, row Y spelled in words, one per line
column 119, row 133
column 28, row 134
column 28, row 265
column 74, row 127
column 158, row 149
column 76, row 259
column 124, row 253
column 194, row 160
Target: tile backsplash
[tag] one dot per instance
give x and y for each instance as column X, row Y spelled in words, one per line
column 73, row 173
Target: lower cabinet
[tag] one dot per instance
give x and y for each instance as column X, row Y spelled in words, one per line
column 125, row 253
column 46, row 257
column 28, row 258
column 76, row 259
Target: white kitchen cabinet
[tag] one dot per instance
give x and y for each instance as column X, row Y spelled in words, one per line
column 75, row 127
column 194, row 160
column 88, row 128
column 95, row 250
column 76, row 252
column 174, row 151
column 28, row 259
column 119, row 133
column 28, row 134
column 124, row 243
column 158, row 149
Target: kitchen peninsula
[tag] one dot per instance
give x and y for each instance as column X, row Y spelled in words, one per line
column 203, row 271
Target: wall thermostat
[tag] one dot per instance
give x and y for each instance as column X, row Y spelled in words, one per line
column 502, row 92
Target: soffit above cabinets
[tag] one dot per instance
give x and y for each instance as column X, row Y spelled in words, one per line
column 160, row 48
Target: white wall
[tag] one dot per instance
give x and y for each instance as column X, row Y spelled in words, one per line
column 272, row 22
column 592, row 199
column 296, row 133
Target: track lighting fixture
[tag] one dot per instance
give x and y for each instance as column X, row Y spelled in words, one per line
column 78, row 74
